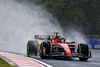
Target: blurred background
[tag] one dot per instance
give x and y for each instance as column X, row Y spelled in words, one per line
column 21, row 20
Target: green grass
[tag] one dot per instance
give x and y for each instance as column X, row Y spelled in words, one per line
column 3, row 63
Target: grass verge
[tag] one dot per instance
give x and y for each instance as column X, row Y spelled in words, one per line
column 3, row 63
column 92, row 36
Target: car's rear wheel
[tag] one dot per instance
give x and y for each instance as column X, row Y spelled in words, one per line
column 83, row 49
column 32, row 48
column 45, row 49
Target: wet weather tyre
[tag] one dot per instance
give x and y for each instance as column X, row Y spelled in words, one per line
column 47, row 46
column 32, row 48
column 83, row 49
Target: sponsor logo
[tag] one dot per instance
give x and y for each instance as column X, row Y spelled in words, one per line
column 88, row 41
column 90, row 46
column 98, row 41
column 98, row 44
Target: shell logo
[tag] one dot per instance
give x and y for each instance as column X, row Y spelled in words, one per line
column 98, row 41
column 88, row 40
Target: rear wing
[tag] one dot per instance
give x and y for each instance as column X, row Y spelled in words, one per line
column 44, row 37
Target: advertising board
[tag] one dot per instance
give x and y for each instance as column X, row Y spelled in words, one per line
column 93, row 43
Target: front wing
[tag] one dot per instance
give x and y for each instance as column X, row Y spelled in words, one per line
column 63, row 54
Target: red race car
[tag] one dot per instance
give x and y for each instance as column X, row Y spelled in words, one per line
column 55, row 46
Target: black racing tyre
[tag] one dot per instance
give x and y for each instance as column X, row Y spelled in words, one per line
column 47, row 46
column 32, row 48
column 83, row 49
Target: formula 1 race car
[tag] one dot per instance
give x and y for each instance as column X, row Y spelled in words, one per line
column 55, row 46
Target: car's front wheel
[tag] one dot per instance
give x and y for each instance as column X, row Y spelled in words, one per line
column 84, row 50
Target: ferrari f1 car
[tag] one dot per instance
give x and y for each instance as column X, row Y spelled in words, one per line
column 55, row 45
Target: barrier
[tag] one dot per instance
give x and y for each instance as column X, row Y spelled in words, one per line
column 94, row 43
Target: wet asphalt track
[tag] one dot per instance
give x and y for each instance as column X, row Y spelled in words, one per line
column 74, row 62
